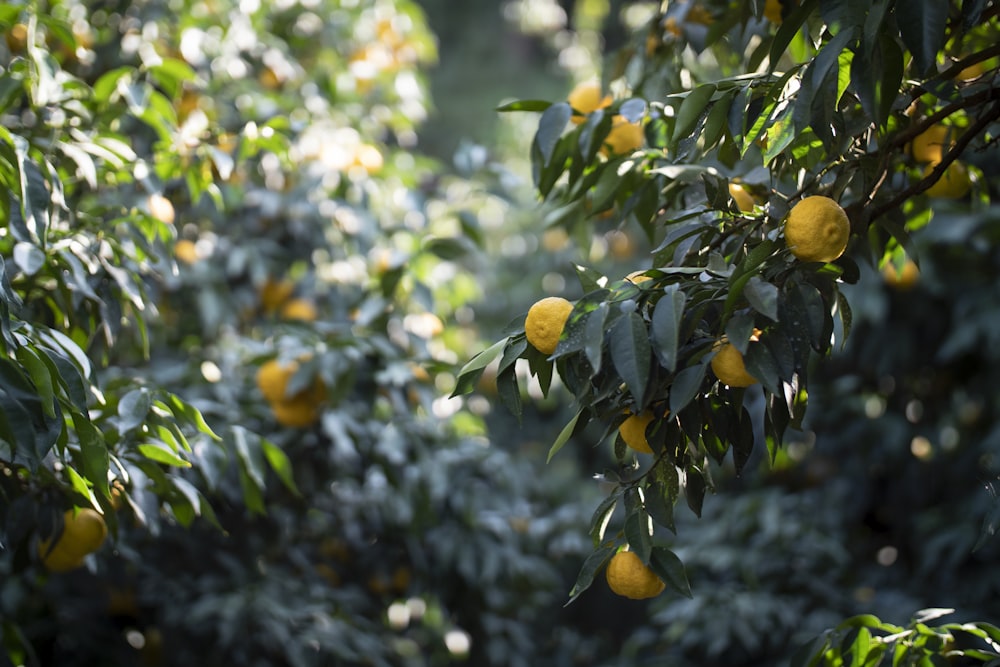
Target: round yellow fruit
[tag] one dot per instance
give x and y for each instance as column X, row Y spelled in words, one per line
column 295, row 414
column 545, row 321
column 772, row 11
column 302, row 310
column 728, row 366
column 930, row 145
column 273, row 294
column 903, row 278
column 186, row 251
column 744, row 200
column 272, row 380
column 633, row 431
column 586, row 98
column 817, row 229
column 623, row 138
column 161, row 208
column 83, row 533
column 629, row 577
column 953, row 184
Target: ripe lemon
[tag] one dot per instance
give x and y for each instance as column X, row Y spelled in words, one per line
column 545, row 321
column 623, row 138
column 772, row 11
column 929, row 145
column 586, row 98
column 299, row 309
column 633, row 431
column 295, row 414
column 186, row 251
column 161, row 208
column 83, row 533
column 275, row 293
column 728, row 366
column 297, row 410
column 744, row 200
column 817, row 229
column 901, row 279
column 953, row 184
column 629, row 577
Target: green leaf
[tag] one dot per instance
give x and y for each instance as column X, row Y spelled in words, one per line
column 666, row 323
column 133, row 408
column 473, row 369
column 631, row 354
column 763, row 296
column 694, row 489
column 525, row 105
column 922, row 25
column 550, row 129
column 591, row 566
column 638, row 529
column 564, row 436
column 691, row 109
column 162, row 454
column 602, row 516
column 281, row 465
column 668, row 567
column 685, row 386
column 509, row 391
column 41, row 377
column 660, row 498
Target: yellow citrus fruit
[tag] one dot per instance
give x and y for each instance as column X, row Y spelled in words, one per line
column 744, row 200
column 299, row 309
column 161, row 208
column 728, row 366
column 586, row 98
column 275, row 293
column 901, row 278
column 369, row 158
column 545, row 321
column 930, row 145
column 817, row 229
column 295, row 413
column 953, row 184
column 83, row 533
column 973, row 71
column 186, row 251
column 700, row 15
column 629, row 577
column 272, row 380
column 633, row 431
column 772, row 11
column 624, row 137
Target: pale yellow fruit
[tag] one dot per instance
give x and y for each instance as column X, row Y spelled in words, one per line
column 744, row 200
column 298, row 410
column 273, row 294
column 623, row 138
column 629, row 577
column 930, row 145
column 161, row 208
column 728, row 366
column 83, row 533
column 545, row 321
column 186, row 251
column 903, row 278
column 295, row 414
column 817, row 229
column 633, row 431
column 953, row 184
column 302, row 310
column 586, row 98
column 772, row 11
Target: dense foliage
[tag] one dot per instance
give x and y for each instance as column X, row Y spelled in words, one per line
column 235, row 294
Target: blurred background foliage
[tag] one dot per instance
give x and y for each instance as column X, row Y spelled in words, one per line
column 341, row 193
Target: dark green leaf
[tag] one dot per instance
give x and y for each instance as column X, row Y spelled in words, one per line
column 563, row 437
column 670, row 569
column 509, row 391
column 591, row 566
column 525, row 105
column 473, row 369
column 161, row 453
column 281, row 465
column 694, row 489
column 133, row 408
column 691, row 109
column 685, row 386
column 631, row 354
column 665, row 325
column 550, row 129
column 763, row 296
column 922, row 25
column 602, row 516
